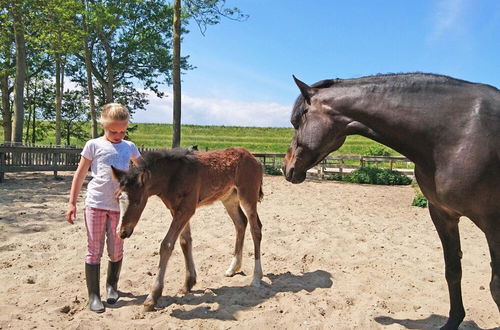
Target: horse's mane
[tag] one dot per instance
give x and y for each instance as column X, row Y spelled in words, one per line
column 390, row 79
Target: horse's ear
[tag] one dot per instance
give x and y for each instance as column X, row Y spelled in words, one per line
column 144, row 177
column 117, row 174
column 306, row 90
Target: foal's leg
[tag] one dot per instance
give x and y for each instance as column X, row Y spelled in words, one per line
column 256, row 230
column 447, row 227
column 232, row 205
column 187, row 249
column 179, row 221
column 494, row 244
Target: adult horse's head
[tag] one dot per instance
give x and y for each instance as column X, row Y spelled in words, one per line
column 316, row 133
column 132, row 195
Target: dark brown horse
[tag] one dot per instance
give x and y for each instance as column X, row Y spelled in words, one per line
column 449, row 128
column 184, row 181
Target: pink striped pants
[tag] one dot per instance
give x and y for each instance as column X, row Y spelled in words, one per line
column 100, row 223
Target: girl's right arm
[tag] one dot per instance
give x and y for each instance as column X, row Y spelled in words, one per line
column 76, row 185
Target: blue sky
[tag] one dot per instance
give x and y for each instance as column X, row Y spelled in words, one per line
column 244, row 70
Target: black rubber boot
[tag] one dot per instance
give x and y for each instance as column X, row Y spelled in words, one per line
column 92, row 273
column 112, row 281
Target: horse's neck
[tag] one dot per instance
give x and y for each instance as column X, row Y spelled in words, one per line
column 393, row 118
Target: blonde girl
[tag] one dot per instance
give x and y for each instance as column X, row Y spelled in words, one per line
column 102, row 212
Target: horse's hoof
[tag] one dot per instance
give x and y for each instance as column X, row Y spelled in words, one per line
column 229, row 273
column 452, row 324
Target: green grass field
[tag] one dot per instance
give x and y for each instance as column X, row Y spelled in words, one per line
column 255, row 139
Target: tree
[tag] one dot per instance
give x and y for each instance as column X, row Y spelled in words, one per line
column 204, row 12
column 129, row 42
column 87, row 50
column 74, row 116
column 60, row 36
column 7, row 69
column 16, row 10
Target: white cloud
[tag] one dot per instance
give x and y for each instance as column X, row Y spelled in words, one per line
column 216, row 111
column 447, row 17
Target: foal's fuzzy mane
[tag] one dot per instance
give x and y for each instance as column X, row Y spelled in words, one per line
column 152, row 158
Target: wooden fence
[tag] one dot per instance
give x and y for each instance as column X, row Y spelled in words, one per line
column 49, row 158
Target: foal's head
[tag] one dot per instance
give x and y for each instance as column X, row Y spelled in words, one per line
column 156, row 171
column 132, row 196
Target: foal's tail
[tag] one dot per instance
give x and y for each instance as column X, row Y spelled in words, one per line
column 261, row 193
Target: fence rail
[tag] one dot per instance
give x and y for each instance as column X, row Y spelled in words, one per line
column 50, row 158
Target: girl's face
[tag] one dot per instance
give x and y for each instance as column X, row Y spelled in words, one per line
column 114, row 131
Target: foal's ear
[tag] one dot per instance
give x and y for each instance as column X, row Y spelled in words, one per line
column 306, row 90
column 144, row 177
column 117, row 174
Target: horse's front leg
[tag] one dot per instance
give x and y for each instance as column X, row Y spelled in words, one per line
column 447, row 227
column 179, row 221
column 187, row 249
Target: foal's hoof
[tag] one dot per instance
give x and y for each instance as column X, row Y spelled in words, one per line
column 149, row 306
column 229, row 273
column 188, row 285
column 257, row 283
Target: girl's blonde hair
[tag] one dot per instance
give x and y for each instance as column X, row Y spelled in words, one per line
column 113, row 112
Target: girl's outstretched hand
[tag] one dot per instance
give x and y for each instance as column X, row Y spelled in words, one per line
column 71, row 213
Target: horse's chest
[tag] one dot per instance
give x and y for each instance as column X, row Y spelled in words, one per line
column 474, row 190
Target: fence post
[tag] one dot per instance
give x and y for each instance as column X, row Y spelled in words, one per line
column 2, row 163
column 54, row 162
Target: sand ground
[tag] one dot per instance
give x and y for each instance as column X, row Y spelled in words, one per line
column 335, row 256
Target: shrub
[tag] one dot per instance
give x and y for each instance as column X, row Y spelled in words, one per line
column 419, row 201
column 377, row 150
column 271, row 170
column 374, row 175
column 335, row 177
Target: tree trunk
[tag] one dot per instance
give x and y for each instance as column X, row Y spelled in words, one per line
column 90, row 87
column 33, row 122
column 88, row 68
column 28, row 106
column 108, row 86
column 58, row 101
column 6, row 111
column 68, row 134
column 176, row 75
column 17, row 129
column 33, row 110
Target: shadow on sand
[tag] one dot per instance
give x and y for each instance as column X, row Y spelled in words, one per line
column 231, row 300
column 33, row 201
column 431, row 322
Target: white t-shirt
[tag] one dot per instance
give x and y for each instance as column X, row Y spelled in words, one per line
column 101, row 189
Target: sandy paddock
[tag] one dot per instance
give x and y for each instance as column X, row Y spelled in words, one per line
column 335, row 256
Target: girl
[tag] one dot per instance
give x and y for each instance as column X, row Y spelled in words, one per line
column 102, row 212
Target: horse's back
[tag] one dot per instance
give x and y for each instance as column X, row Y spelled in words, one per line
column 222, row 170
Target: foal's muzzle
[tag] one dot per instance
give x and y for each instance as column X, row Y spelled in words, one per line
column 124, row 233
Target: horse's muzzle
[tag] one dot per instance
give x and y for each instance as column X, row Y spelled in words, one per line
column 293, row 176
